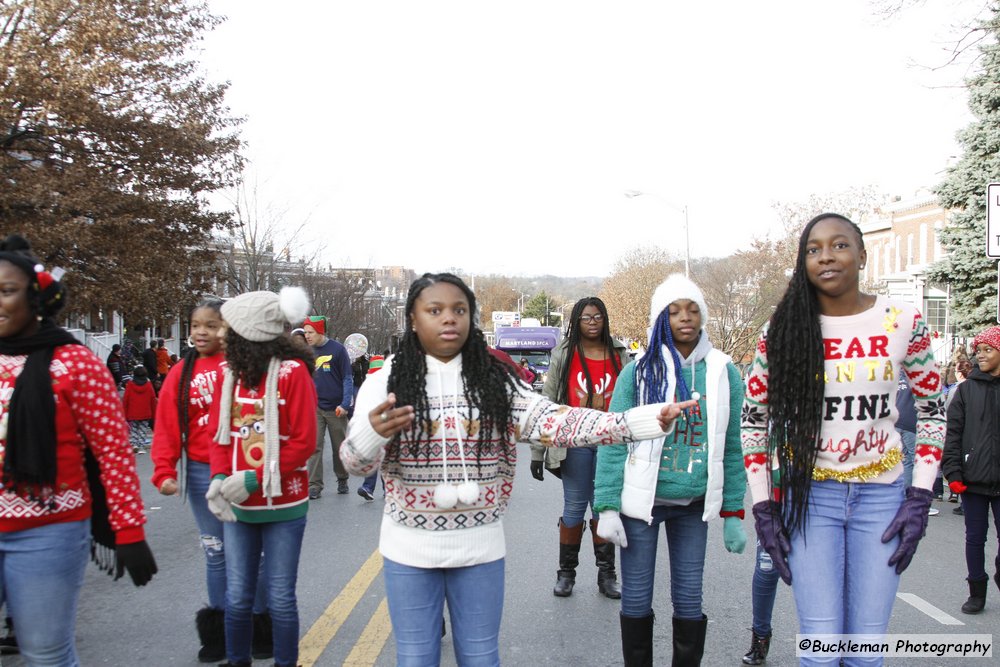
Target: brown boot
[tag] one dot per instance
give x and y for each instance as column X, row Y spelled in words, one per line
column 569, row 558
column 604, row 554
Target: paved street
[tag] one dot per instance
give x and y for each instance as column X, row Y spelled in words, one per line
column 344, row 619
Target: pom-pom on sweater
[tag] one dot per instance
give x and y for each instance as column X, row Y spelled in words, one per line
column 417, row 532
column 863, row 355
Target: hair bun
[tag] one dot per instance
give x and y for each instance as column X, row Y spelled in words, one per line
column 15, row 243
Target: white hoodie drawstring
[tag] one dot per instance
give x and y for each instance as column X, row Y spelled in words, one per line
column 448, row 495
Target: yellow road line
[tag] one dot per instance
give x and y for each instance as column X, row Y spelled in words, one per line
column 369, row 646
column 312, row 645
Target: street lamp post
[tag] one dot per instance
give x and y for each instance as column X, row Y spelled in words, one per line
column 632, row 194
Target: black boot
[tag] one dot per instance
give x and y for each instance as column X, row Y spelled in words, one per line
column 8, row 643
column 759, row 645
column 569, row 558
column 689, row 641
column 262, row 644
column 637, row 640
column 604, row 554
column 211, row 625
column 977, row 597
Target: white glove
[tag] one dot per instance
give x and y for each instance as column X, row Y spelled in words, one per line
column 610, row 528
column 234, row 487
column 220, row 507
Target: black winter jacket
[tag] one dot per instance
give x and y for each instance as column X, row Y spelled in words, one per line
column 972, row 444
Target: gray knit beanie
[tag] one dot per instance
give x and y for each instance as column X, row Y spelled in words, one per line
column 261, row 316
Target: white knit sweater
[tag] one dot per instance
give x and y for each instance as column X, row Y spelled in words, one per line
column 415, row 531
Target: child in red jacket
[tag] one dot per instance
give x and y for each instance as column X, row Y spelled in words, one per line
column 140, row 409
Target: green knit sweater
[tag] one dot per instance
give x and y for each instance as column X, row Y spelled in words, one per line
column 684, row 463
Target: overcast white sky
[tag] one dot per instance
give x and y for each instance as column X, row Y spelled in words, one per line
column 499, row 137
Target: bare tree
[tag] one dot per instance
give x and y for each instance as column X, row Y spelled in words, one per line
column 261, row 251
column 629, row 288
column 494, row 293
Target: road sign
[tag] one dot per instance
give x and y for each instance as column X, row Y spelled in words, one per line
column 993, row 220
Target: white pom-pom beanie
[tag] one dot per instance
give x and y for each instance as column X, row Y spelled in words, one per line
column 674, row 288
column 261, row 316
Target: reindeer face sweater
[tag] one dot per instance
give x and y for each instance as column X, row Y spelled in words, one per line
column 864, row 355
column 417, row 532
column 296, row 396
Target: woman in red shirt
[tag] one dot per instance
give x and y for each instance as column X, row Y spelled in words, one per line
column 582, row 373
column 62, row 436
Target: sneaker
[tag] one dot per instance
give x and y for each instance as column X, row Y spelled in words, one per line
column 315, row 493
column 933, row 511
column 342, row 486
column 365, row 493
column 953, row 498
column 958, row 510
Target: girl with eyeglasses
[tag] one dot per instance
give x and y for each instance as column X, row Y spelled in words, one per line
column 582, row 373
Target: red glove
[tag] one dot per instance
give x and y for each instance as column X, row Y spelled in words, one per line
column 957, row 487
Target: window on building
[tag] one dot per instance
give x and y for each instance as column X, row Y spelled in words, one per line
column 936, row 315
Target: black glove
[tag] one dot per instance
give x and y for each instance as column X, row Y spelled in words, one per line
column 138, row 560
column 538, row 470
column 910, row 524
column 772, row 536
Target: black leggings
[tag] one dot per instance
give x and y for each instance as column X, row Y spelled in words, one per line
column 977, row 508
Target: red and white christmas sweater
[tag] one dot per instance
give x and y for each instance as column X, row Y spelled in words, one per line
column 206, row 379
column 864, row 354
column 88, row 414
column 296, row 396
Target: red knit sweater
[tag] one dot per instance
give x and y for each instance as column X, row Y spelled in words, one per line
column 296, row 395
column 206, row 379
column 88, row 414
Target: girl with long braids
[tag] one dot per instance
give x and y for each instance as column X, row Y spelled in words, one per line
column 182, row 435
column 264, row 424
column 69, row 485
column 820, row 402
column 442, row 420
column 681, row 482
column 582, row 373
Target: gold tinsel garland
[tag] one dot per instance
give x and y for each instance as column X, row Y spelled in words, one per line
column 864, row 472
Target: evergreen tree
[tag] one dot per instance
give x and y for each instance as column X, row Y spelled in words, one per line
column 970, row 272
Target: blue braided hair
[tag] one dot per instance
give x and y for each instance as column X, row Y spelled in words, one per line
column 651, row 369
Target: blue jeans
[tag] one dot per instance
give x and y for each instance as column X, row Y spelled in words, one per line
column 687, row 536
column 841, row 576
column 578, row 469
column 765, row 589
column 41, row 573
column 369, row 483
column 977, row 519
column 279, row 544
column 909, row 444
column 475, row 604
column 210, row 534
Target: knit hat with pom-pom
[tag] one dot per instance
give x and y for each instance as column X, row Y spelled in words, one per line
column 262, row 316
column 675, row 288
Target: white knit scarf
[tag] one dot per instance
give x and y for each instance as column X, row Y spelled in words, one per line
column 272, row 442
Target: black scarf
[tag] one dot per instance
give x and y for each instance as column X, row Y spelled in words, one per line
column 30, row 459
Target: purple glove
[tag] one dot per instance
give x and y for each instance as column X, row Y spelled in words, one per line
column 772, row 536
column 910, row 524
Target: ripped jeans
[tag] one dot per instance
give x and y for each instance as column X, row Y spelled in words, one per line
column 210, row 534
column 765, row 588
